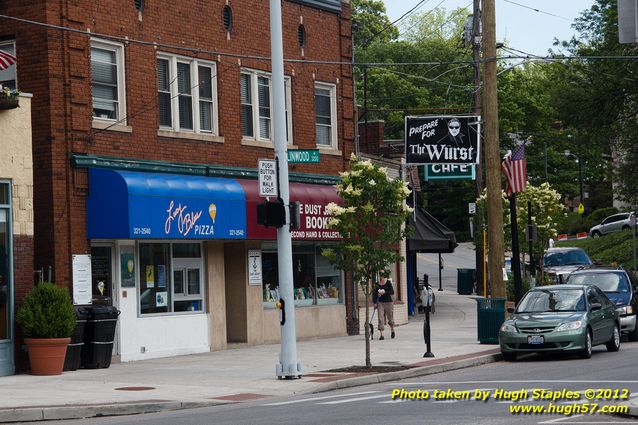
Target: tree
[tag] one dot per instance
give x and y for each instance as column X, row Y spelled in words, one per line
column 547, row 212
column 370, row 23
column 371, row 222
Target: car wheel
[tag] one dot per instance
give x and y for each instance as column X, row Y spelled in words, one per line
column 595, row 234
column 626, row 227
column 586, row 352
column 614, row 342
column 633, row 335
column 508, row 357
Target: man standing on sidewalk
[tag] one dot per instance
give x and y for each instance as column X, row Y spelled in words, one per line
column 383, row 300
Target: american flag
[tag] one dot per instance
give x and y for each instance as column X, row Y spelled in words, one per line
column 6, row 60
column 515, row 170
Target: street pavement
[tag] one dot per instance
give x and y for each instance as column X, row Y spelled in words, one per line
column 243, row 373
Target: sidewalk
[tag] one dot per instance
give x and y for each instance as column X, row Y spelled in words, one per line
column 248, row 373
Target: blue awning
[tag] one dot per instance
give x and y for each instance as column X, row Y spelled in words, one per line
column 135, row 205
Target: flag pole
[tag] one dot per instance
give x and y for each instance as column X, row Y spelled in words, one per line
column 516, row 260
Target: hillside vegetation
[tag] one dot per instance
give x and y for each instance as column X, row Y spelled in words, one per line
column 617, row 246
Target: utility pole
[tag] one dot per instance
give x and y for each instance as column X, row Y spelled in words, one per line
column 287, row 367
column 492, row 157
column 476, row 100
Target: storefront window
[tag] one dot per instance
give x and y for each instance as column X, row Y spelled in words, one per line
column 316, row 281
column 170, row 278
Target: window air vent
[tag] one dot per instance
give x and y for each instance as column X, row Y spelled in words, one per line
column 227, row 16
column 139, row 5
column 301, row 35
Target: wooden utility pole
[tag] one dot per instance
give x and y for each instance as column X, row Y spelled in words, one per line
column 476, row 100
column 492, row 156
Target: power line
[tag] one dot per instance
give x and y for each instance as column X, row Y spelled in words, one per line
column 422, row 17
column 393, row 22
column 197, row 50
column 537, row 10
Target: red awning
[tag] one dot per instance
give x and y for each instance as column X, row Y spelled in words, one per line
column 314, row 221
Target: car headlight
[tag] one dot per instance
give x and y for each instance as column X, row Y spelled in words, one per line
column 570, row 326
column 506, row 327
column 625, row 310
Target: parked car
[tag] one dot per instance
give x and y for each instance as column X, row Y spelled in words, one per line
column 620, row 287
column 558, row 263
column 561, row 318
column 613, row 223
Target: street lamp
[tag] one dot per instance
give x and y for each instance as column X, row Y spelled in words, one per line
column 580, row 172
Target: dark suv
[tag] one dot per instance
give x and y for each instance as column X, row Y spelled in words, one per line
column 621, row 287
column 558, row 263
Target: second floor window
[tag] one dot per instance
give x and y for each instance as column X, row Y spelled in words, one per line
column 8, row 76
column 326, row 115
column 107, row 80
column 256, row 101
column 186, row 94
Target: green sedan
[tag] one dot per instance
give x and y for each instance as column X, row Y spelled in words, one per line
column 561, row 318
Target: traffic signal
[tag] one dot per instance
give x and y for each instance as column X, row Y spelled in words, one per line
column 271, row 214
column 295, row 215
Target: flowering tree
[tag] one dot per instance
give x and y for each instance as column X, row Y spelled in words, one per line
column 546, row 213
column 371, row 222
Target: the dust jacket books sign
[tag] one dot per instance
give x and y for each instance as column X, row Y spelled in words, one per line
column 442, row 139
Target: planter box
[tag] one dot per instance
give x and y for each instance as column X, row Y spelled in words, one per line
column 6, row 103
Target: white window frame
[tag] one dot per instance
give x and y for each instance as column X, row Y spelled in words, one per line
column 332, row 88
column 13, row 69
column 254, row 97
column 118, row 48
column 194, row 64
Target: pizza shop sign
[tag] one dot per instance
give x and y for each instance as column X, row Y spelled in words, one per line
column 314, row 223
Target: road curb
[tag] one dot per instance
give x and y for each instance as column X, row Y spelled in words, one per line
column 32, row 414
column 408, row 373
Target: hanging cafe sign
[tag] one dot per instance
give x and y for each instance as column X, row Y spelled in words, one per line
column 442, row 139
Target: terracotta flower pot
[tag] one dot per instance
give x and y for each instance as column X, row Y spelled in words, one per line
column 46, row 355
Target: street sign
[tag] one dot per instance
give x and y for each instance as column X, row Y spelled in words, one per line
column 471, row 207
column 581, row 208
column 267, row 177
column 303, row 156
column 449, row 172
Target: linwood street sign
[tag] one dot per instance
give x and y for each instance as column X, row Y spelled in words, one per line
column 303, row 156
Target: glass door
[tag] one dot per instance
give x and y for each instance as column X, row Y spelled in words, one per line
column 6, row 295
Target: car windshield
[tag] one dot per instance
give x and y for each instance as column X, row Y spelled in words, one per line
column 544, row 300
column 566, row 258
column 607, row 282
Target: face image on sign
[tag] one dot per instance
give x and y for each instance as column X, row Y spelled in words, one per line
column 442, row 140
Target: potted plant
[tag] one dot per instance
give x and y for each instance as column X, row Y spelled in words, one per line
column 8, row 98
column 47, row 319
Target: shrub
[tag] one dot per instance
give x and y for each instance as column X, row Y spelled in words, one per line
column 47, row 312
column 510, row 286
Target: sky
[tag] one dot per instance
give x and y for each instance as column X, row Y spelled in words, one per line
column 524, row 29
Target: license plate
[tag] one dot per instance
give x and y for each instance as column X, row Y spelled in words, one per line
column 535, row 339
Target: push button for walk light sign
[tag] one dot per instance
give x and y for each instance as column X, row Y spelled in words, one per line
column 267, row 177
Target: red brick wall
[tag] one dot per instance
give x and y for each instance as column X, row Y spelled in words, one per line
column 55, row 67
column 23, row 280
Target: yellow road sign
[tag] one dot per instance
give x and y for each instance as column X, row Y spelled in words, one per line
column 581, row 208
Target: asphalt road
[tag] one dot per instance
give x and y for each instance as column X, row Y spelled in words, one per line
column 373, row 405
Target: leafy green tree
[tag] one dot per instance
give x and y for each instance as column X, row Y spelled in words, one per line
column 370, row 23
column 371, row 222
column 547, row 214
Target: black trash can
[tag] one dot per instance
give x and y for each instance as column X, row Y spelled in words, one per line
column 490, row 315
column 73, row 357
column 465, row 281
column 99, row 335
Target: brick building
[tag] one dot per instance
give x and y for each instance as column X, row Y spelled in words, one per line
column 148, row 120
